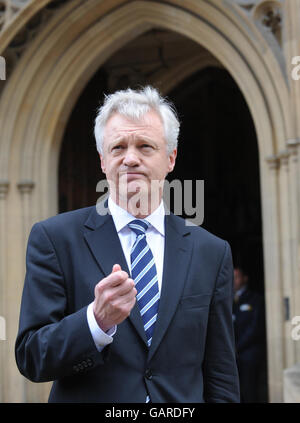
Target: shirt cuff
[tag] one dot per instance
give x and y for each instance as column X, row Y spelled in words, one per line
column 100, row 338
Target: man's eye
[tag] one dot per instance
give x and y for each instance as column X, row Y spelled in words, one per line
column 117, row 147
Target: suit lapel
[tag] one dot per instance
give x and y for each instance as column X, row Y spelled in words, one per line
column 104, row 243
column 176, row 261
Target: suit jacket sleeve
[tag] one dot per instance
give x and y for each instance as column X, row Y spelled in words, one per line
column 51, row 342
column 221, row 382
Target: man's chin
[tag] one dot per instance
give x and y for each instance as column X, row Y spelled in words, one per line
column 135, row 186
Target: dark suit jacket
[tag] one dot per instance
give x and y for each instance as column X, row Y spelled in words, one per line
column 249, row 327
column 191, row 358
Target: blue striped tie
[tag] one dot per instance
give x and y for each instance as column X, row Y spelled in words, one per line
column 143, row 272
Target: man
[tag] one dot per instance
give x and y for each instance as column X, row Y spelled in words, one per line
column 249, row 326
column 134, row 305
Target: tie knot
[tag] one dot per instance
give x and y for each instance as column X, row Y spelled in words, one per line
column 139, row 227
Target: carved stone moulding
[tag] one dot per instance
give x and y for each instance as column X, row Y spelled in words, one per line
column 23, row 38
column 8, row 9
column 2, row 13
column 247, row 5
column 25, row 187
column 273, row 162
column 28, row 32
column 4, row 185
column 268, row 15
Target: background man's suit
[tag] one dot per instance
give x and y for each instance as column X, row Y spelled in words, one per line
column 193, row 338
column 249, row 328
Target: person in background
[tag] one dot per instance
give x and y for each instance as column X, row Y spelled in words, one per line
column 249, row 328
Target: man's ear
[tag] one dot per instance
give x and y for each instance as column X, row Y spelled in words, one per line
column 172, row 160
column 102, row 161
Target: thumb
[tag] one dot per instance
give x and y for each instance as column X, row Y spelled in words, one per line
column 116, row 268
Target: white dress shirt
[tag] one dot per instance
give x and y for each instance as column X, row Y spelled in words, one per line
column 155, row 237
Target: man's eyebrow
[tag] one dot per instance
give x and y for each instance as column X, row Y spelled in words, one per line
column 118, row 139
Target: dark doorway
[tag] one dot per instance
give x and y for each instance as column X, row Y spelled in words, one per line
column 218, row 145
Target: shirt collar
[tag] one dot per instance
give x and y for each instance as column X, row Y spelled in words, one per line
column 240, row 291
column 121, row 217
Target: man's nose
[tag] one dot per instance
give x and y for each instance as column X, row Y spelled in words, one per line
column 131, row 158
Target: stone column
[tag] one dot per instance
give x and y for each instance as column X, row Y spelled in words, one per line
column 292, row 52
column 33, row 392
column 292, row 384
column 294, row 145
column 287, row 227
column 4, row 185
column 291, row 45
column 273, row 280
column 25, row 188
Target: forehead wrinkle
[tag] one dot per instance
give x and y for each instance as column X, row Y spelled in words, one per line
column 127, row 130
column 132, row 136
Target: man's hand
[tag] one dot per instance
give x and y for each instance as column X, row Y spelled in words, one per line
column 114, row 298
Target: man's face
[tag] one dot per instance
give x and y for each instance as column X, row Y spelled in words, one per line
column 239, row 279
column 134, row 154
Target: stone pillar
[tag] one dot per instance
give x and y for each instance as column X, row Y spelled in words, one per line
column 4, row 185
column 25, row 188
column 273, row 281
column 286, row 226
column 291, row 45
column 34, row 392
column 294, row 145
column 291, row 390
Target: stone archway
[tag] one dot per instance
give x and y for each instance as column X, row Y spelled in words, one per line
column 41, row 91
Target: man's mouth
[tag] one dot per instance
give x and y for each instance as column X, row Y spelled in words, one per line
column 133, row 175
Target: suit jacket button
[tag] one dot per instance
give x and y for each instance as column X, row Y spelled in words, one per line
column 148, row 374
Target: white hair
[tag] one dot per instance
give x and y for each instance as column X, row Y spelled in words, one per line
column 133, row 104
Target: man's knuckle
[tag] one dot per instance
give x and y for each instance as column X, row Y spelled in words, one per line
column 131, row 283
column 98, row 290
column 107, row 297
